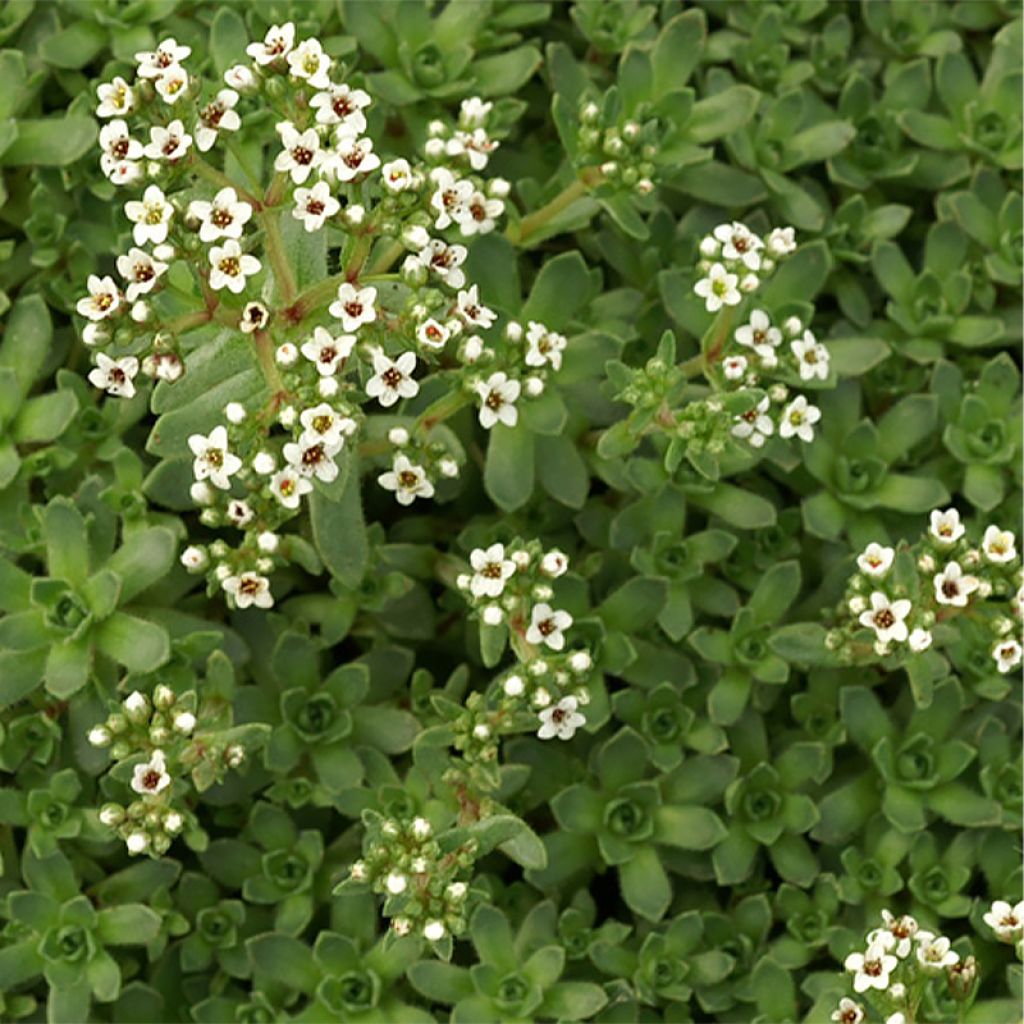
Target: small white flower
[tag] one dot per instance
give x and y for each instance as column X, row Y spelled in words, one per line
column 473, row 112
column 798, row 418
column 392, row 379
column 1007, row 655
column 264, row 463
column 498, row 396
column 490, row 571
column 313, row 206
column 354, row 306
column 554, row 563
column 229, row 267
column 141, row 272
column 434, row 931
column 445, row 261
column 478, row 215
column 998, row 545
column 561, row 720
column 151, row 216
column 812, row 358
column 476, row 145
column 309, row 62
column 919, row 640
column 151, row 778
column 471, row 312
column 781, row 241
column 223, row 217
column 351, row 157
column 218, row 115
column 249, row 589
column 168, row 54
column 848, row 1012
column 268, row 542
column 115, row 376
column 240, row 77
column 116, row 98
column 544, row 347
column 170, row 143
column 739, row 244
column 946, row 527
column 340, row 105
column 194, row 559
column 288, row 487
column 407, row 480
column 759, row 334
column 896, row 934
column 547, row 626
column 755, row 425
column 734, row 367
column 254, row 317
column 102, row 300
column 876, row 560
column 513, row 685
column 172, row 84
column 278, row 42
column 213, row 461
column 952, row 587
column 449, row 198
column 239, row 513
column 934, row 954
column 718, row 289
column 871, row 969
column 301, row 154
column 397, row 175
column 311, row 456
column 324, row 423
column 432, row 334
column 1007, row 922
column 887, row 618
column 326, row 351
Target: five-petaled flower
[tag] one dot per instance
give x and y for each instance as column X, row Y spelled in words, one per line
column 798, row 419
column 249, row 588
column 718, row 289
column 498, row 396
column 151, row 216
column 288, row 487
column 327, row 351
column 341, row 105
column 170, row 143
column 561, row 720
column 213, row 460
column 491, row 569
column 755, row 425
column 407, row 480
column 547, row 626
column 229, row 266
column 871, row 969
column 301, row 154
column 354, row 306
column 811, row 357
column 887, row 618
column 314, row 206
column 223, row 217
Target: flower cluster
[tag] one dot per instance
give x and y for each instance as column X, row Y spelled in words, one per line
column 735, row 262
column 425, row 887
column 622, row 149
column 909, row 596
column 899, row 963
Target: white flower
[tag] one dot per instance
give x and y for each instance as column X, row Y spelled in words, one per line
column 194, row 559
column 946, row 527
column 137, row 842
column 812, row 358
column 154, row 63
column 919, row 640
column 547, row 626
column 397, row 175
column 759, row 334
column 170, row 143
column 115, row 376
column 173, row 822
column 848, row 1012
column 301, row 154
column 172, row 84
column 798, row 418
column 141, row 272
column 249, row 589
column 473, row 112
column 239, row 513
column 781, row 241
column 490, row 571
column 734, row 367
column 254, row 317
column 276, row 43
column 218, row 115
column 934, row 954
column 740, row 244
column 896, row 1018
column 1007, row 655
column 432, row 334
column 445, row 261
column 240, row 77
column 396, row 883
column 326, row 351
column 102, row 300
column 99, row 736
column 229, row 267
column 325, row 423
column 213, row 461
column 718, row 288
column 544, row 347
column 151, row 777
column 871, row 969
column 117, row 146
column 116, row 98
column 354, row 306
column 449, row 198
column 308, row 61
column 223, row 217
column 998, row 545
column 554, row 563
column 407, row 480
column 876, row 560
column 471, row 312
column 896, row 934
column 561, row 720
column 338, row 104
column 433, row 931
column 151, row 216
column 498, row 395
column 392, row 379
column 952, row 587
column 887, row 618
column 580, row 662
column 1006, row 921
column 313, row 456
column 478, row 215
column 755, row 425
column 476, row 146
column 184, row 722
column 288, row 487
column 351, row 157
column 314, row 205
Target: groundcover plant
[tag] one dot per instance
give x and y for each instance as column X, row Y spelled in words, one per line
column 510, row 511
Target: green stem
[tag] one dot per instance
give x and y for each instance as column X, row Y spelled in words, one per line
column 265, row 355
column 530, row 225
column 440, row 410
column 357, row 257
column 210, row 173
column 386, row 258
column 277, row 256
column 185, row 322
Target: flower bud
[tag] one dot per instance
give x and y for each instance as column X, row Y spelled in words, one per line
column 99, row 736
column 111, row 815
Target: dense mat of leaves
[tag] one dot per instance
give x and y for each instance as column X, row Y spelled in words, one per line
column 510, row 511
